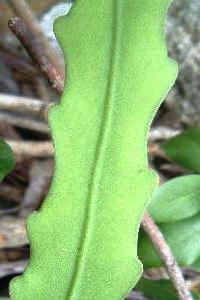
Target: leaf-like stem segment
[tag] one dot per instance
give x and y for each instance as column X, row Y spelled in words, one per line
column 84, row 239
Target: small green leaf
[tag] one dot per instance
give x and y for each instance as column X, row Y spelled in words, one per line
column 159, row 289
column 177, row 199
column 184, row 149
column 196, row 265
column 7, row 160
column 182, row 237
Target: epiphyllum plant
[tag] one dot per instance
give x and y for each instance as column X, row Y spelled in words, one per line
column 84, row 239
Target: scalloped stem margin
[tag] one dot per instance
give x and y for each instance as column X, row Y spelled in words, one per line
column 84, row 239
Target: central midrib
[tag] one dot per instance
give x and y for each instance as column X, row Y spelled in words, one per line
column 101, row 146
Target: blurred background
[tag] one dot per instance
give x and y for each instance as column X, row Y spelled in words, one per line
column 25, row 95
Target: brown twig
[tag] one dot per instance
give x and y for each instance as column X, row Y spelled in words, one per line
column 23, row 10
column 194, row 284
column 32, row 149
column 166, row 256
column 24, row 105
column 41, row 89
column 13, row 60
column 12, row 232
column 39, row 181
column 11, row 268
column 155, row 150
column 162, row 133
column 37, row 53
column 24, row 122
column 10, row 193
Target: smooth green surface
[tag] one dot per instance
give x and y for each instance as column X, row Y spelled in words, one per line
column 159, row 289
column 84, row 239
column 184, row 149
column 7, row 160
column 175, row 206
column 183, row 239
column 176, row 200
column 196, row 265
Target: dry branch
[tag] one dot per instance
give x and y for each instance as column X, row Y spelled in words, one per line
column 12, row 268
column 166, row 256
column 155, row 150
column 24, row 105
column 22, row 9
column 23, row 122
column 37, row 53
column 14, row 61
column 41, row 89
column 162, row 133
column 39, row 181
column 12, row 232
column 10, row 192
column 32, row 149
column 194, row 284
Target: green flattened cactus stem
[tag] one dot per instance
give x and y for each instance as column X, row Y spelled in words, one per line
column 84, row 239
